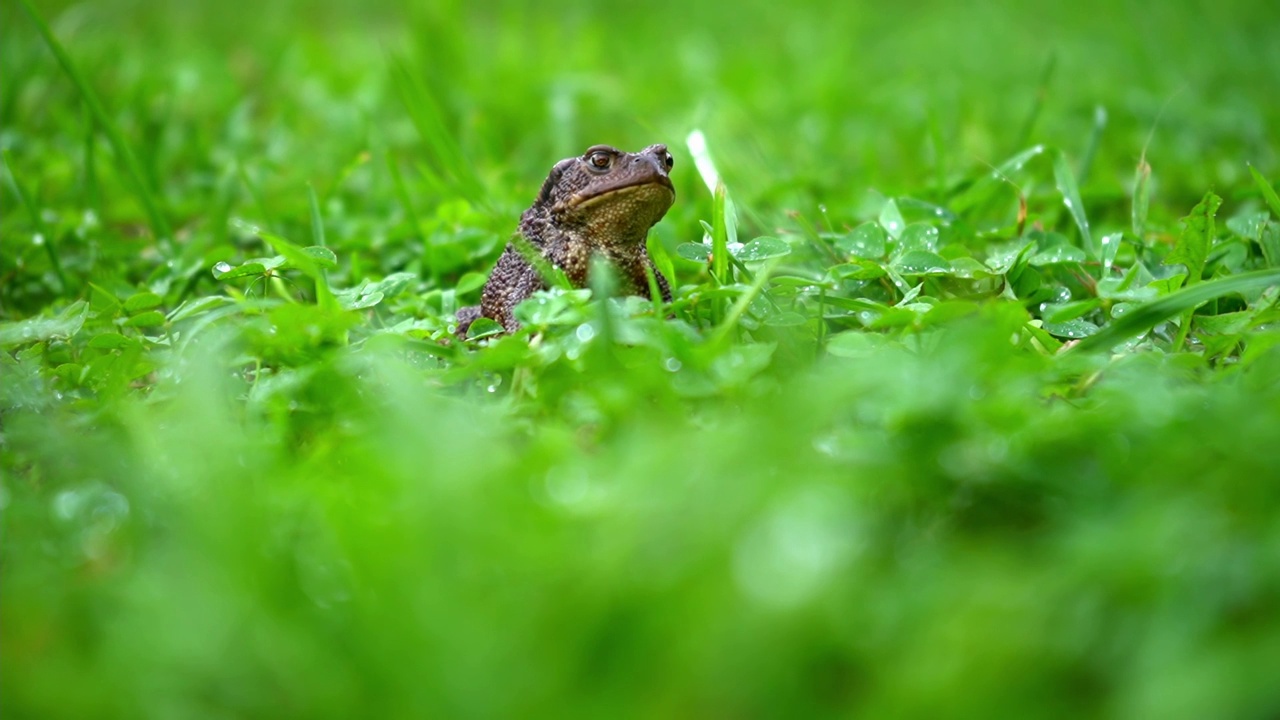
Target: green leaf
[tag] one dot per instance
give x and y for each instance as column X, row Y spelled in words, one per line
column 395, row 283
column 251, row 267
column 142, row 301
column 762, row 248
column 921, row 262
column 1070, row 311
column 855, row 344
column 950, row 310
column 223, row 271
column 199, row 306
column 866, row 241
column 1250, row 225
column 1165, row 286
column 970, row 268
column 295, row 256
column 150, row 318
column 470, row 282
column 919, row 236
column 1225, row 324
column 358, row 302
column 483, row 327
column 1073, row 329
column 1197, row 236
column 1058, row 255
column 786, row 319
column 1047, row 341
column 367, row 294
column 1146, row 316
column 861, row 270
column 111, row 341
column 697, row 252
column 891, row 219
column 324, row 257
column 65, row 324
column 895, row 317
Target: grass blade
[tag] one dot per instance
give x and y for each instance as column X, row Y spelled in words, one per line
column 1141, row 197
column 1066, row 181
column 402, row 194
column 1144, row 317
column 317, row 224
column 1267, row 191
column 252, row 189
column 447, row 159
column 723, row 221
column 744, row 300
column 92, row 194
column 324, row 293
column 1095, row 137
column 150, row 201
column 1042, row 92
column 36, row 220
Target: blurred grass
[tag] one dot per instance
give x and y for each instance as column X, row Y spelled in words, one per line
column 876, row 489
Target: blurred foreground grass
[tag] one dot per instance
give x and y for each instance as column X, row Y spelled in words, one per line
column 246, row 472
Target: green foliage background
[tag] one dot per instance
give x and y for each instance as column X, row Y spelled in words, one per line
column 857, row 468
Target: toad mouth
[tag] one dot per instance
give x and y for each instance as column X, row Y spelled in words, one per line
column 650, row 186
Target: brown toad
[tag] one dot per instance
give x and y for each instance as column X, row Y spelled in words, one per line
column 604, row 203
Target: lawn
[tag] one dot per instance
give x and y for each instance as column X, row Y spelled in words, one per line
column 967, row 403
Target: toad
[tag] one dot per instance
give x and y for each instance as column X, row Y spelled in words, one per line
column 602, row 203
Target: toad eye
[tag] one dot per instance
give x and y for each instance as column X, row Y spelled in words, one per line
column 668, row 160
column 600, row 160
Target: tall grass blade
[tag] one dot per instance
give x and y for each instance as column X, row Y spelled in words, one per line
column 402, row 194
column 1095, row 137
column 446, row 157
column 743, row 302
column 1037, row 105
column 92, row 194
column 317, row 224
column 1070, row 190
column 36, row 221
column 1144, row 317
column 150, row 201
column 1141, row 197
column 1268, row 192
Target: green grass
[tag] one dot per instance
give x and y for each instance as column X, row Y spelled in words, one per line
column 967, row 404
